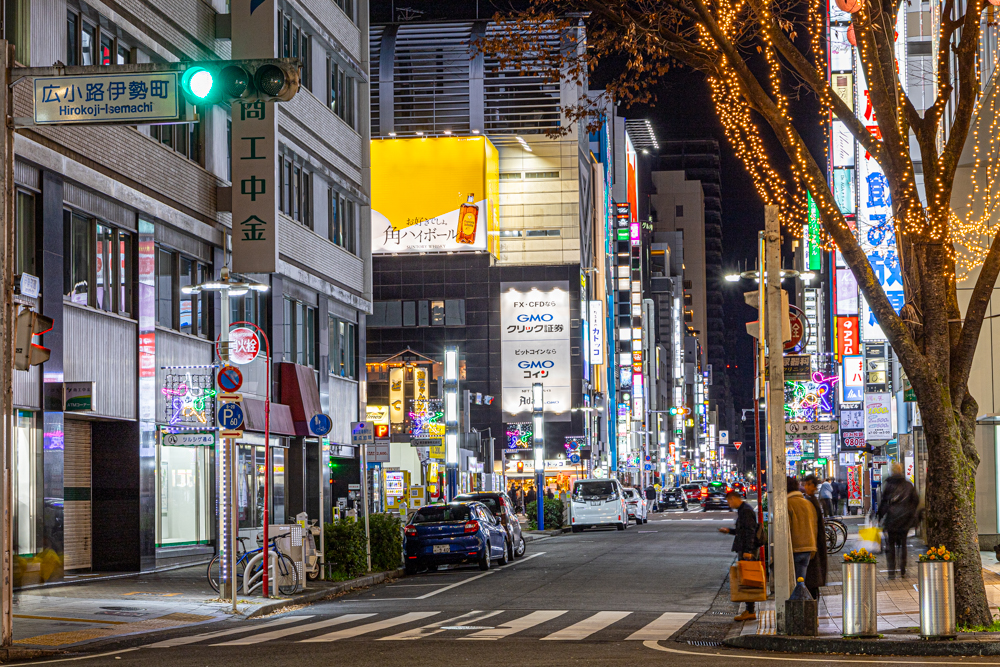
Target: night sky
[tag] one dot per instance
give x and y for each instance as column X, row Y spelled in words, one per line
column 684, row 110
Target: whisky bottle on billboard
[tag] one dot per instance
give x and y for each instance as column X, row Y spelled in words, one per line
column 468, row 218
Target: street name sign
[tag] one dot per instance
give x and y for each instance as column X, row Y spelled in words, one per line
column 107, row 98
column 810, row 428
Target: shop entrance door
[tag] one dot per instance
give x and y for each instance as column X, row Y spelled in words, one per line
column 77, row 534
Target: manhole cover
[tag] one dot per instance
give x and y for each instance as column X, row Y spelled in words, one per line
column 467, row 627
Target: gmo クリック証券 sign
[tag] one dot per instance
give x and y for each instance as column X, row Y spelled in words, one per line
column 106, row 98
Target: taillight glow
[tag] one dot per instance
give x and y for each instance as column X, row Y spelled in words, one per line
column 471, row 527
column 411, row 531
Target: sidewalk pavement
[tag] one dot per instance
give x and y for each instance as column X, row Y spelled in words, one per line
column 898, row 617
column 64, row 616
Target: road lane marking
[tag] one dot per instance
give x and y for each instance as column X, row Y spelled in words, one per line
column 441, row 626
column 183, row 641
column 294, row 630
column 357, row 630
column 515, row 626
column 663, row 627
column 814, row 658
column 587, row 626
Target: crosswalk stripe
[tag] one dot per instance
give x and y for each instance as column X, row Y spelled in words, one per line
column 518, row 624
column 294, row 630
column 183, row 641
column 662, row 628
column 439, row 626
column 347, row 633
column 587, row 626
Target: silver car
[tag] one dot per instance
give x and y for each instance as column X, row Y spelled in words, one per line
column 503, row 509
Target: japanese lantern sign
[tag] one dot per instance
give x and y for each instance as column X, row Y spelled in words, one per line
column 875, row 227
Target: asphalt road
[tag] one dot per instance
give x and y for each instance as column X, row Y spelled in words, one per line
column 600, row 598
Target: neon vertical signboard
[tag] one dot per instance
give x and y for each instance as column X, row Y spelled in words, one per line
column 853, row 379
column 596, row 332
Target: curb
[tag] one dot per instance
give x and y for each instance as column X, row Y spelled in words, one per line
column 915, row 647
column 316, row 596
column 11, row 653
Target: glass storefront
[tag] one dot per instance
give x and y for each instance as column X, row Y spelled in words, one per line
column 184, row 511
column 250, row 485
column 27, row 462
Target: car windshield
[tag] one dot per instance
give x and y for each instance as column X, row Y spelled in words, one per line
column 594, row 490
column 692, row 487
column 489, row 501
column 440, row 513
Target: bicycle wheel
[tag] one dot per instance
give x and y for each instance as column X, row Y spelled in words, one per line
column 288, row 584
column 213, row 572
column 831, row 538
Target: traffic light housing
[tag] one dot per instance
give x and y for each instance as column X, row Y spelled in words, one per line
column 228, row 81
column 27, row 354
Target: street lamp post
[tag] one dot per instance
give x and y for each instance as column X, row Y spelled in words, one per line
column 451, row 419
column 229, row 511
column 538, row 441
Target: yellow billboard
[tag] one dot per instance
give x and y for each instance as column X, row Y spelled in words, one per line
column 439, row 194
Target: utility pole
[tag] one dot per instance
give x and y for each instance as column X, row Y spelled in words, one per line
column 776, row 414
column 7, row 113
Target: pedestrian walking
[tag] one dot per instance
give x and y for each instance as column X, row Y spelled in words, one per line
column 842, row 489
column 816, row 574
column 744, row 540
column 651, row 504
column 897, row 512
column 549, row 494
column 826, row 497
column 835, row 499
column 802, row 523
column 529, row 498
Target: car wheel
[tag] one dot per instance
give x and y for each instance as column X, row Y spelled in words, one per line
column 410, row 568
column 622, row 526
column 521, row 547
column 508, row 553
column 485, row 561
column 638, row 521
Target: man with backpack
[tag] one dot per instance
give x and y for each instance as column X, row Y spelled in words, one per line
column 745, row 542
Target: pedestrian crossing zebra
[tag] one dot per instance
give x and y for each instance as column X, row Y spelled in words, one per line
column 475, row 625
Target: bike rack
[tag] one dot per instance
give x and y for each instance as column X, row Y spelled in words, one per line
column 252, row 582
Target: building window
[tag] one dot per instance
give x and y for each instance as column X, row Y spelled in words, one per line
column 25, row 256
column 449, row 312
column 679, row 211
column 184, row 138
column 342, row 90
column 89, row 44
column 295, row 190
column 92, row 251
column 343, row 214
column 187, row 313
column 251, row 307
column 294, row 43
column 348, row 8
column 343, row 348
column 300, row 333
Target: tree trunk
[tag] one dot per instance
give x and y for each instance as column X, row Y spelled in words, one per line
column 950, row 503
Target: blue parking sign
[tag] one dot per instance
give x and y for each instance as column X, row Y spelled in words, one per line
column 231, row 416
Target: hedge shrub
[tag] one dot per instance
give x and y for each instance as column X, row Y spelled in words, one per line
column 553, row 514
column 345, row 545
column 387, row 541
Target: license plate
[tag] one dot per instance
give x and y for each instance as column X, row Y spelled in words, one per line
column 596, row 503
column 442, row 548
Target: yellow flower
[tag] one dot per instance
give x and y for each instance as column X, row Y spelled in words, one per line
column 947, row 556
column 933, row 557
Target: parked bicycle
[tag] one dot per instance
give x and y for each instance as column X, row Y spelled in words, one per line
column 836, row 534
column 288, row 574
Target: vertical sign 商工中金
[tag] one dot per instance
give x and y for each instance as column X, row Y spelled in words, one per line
column 254, row 146
column 875, row 229
column 535, row 346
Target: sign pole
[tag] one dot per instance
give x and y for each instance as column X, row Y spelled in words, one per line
column 364, row 500
column 776, row 414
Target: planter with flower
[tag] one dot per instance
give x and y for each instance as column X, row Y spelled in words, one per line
column 936, row 584
column 860, row 611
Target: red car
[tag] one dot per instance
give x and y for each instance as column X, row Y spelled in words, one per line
column 692, row 492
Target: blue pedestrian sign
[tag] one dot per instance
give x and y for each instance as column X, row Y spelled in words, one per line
column 320, row 424
column 231, row 416
column 574, row 458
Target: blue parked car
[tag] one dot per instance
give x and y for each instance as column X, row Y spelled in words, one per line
column 459, row 532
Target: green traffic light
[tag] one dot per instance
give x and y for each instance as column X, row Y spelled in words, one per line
column 198, row 82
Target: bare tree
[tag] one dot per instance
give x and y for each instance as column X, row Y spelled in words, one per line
column 755, row 54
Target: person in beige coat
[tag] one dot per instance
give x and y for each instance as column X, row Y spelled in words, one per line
column 802, row 526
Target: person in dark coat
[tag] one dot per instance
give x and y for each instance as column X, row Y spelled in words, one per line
column 898, row 513
column 651, row 504
column 816, row 574
column 744, row 540
column 529, row 498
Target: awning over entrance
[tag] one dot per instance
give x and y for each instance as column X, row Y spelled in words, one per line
column 281, row 417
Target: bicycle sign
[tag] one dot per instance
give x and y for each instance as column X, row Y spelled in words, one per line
column 320, row 424
column 231, row 416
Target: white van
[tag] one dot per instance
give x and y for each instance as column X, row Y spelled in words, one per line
column 598, row 502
